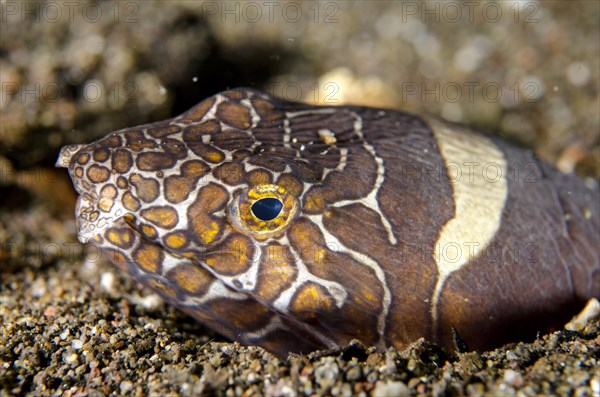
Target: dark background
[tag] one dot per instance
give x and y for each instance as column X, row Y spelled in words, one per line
column 72, row 73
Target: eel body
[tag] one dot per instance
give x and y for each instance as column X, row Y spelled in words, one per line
column 297, row 227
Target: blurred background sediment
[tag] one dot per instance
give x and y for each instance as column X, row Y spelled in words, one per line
column 73, row 71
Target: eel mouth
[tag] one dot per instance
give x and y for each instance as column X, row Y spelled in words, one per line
column 66, row 154
column 90, row 220
column 94, row 212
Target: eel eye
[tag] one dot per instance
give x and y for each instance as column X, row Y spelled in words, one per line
column 267, row 208
column 263, row 211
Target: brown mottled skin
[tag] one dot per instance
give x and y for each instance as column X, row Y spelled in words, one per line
column 365, row 196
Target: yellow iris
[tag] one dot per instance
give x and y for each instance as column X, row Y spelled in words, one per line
column 243, row 218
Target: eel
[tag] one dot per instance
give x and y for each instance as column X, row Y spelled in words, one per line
column 297, row 227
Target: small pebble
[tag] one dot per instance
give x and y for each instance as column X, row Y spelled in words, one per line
column 391, row 388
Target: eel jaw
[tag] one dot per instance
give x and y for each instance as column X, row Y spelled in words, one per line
column 93, row 213
column 87, row 226
column 65, row 155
